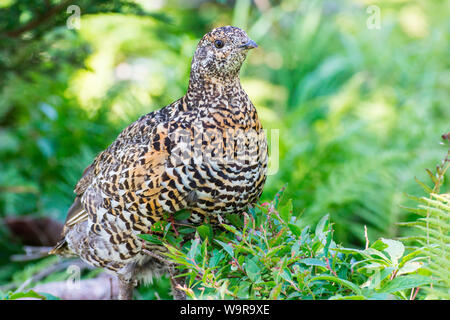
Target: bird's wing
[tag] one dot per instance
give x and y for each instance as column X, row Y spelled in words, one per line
column 132, row 184
column 130, row 135
column 129, row 166
column 76, row 213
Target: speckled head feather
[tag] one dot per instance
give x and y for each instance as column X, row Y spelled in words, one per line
column 220, row 54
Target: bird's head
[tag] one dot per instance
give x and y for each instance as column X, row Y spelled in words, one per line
column 220, row 54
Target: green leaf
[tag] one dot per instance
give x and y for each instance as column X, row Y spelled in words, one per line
column 379, row 245
column 216, row 257
column 278, row 196
column 235, row 220
column 166, row 229
column 340, row 297
column 232, row 229
column 378, row 296
column 275, row 292
column 228, row 248
column 194, row 250
column 150, row 238
column 286, row 211
column 376, row 277
column 286, row 275
column 370, row 264
column 295, row 229
column 370, row 252
column 313, row 262
column 49, row 296
column 410, row 256
column 205, row 232
column 28, row 294
column 182, row 215
column 186, row 230
column 342, row 282
column 252, row 270
column 424, row 186
column 395, row 249
column 243, row 290
column 405, row 282
column 295, row 249
column 329, row 243
column 158, row 226
column 320, row 228
column 410, row 267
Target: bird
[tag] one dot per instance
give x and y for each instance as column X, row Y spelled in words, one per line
column 205, row 153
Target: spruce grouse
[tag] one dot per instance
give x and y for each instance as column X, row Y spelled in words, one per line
column 205, row 153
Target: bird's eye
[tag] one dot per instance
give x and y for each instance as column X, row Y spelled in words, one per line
column 218, row 44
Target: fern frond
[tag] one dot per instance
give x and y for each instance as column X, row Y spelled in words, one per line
column 434, row 226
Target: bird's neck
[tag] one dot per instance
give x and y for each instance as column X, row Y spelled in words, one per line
column 207, row 90
column 228, row 99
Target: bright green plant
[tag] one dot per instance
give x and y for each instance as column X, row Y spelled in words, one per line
column 434, row 226
column 265, row 255
column 27, row 295
column 388, row 269
column 355, row 122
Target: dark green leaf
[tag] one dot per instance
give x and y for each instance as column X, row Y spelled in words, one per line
column 295, row 229
column 205, row 232
column 150, row 238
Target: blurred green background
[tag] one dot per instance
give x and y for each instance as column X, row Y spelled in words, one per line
column 360, row 106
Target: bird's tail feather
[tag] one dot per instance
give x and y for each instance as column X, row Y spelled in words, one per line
column 61, row 249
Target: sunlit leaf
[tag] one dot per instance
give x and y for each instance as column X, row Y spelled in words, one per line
column 405, row 282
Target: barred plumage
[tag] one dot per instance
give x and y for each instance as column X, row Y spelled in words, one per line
column 205, row 153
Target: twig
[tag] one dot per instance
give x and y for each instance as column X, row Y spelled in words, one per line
column 97, row 288
column 154, row 255
column 415, row 294
column 18, row 189
column 329, row 267
column 39, row 20
column 111, row 295
column 31, row 253
column 48, row 271
column 393, row 275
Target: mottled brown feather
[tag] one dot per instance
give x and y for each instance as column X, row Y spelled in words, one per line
column 205, row 153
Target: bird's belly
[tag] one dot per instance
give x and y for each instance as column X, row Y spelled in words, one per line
column 228, row 188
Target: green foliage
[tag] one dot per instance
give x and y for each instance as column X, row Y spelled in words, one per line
column 354, row 126
column 27, row 295
column 265, row 255
column 434, row 226
column 358, row 110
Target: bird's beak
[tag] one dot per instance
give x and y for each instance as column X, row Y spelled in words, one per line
column 249, row 45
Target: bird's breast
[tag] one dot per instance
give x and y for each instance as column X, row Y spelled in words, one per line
column 227, row 161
